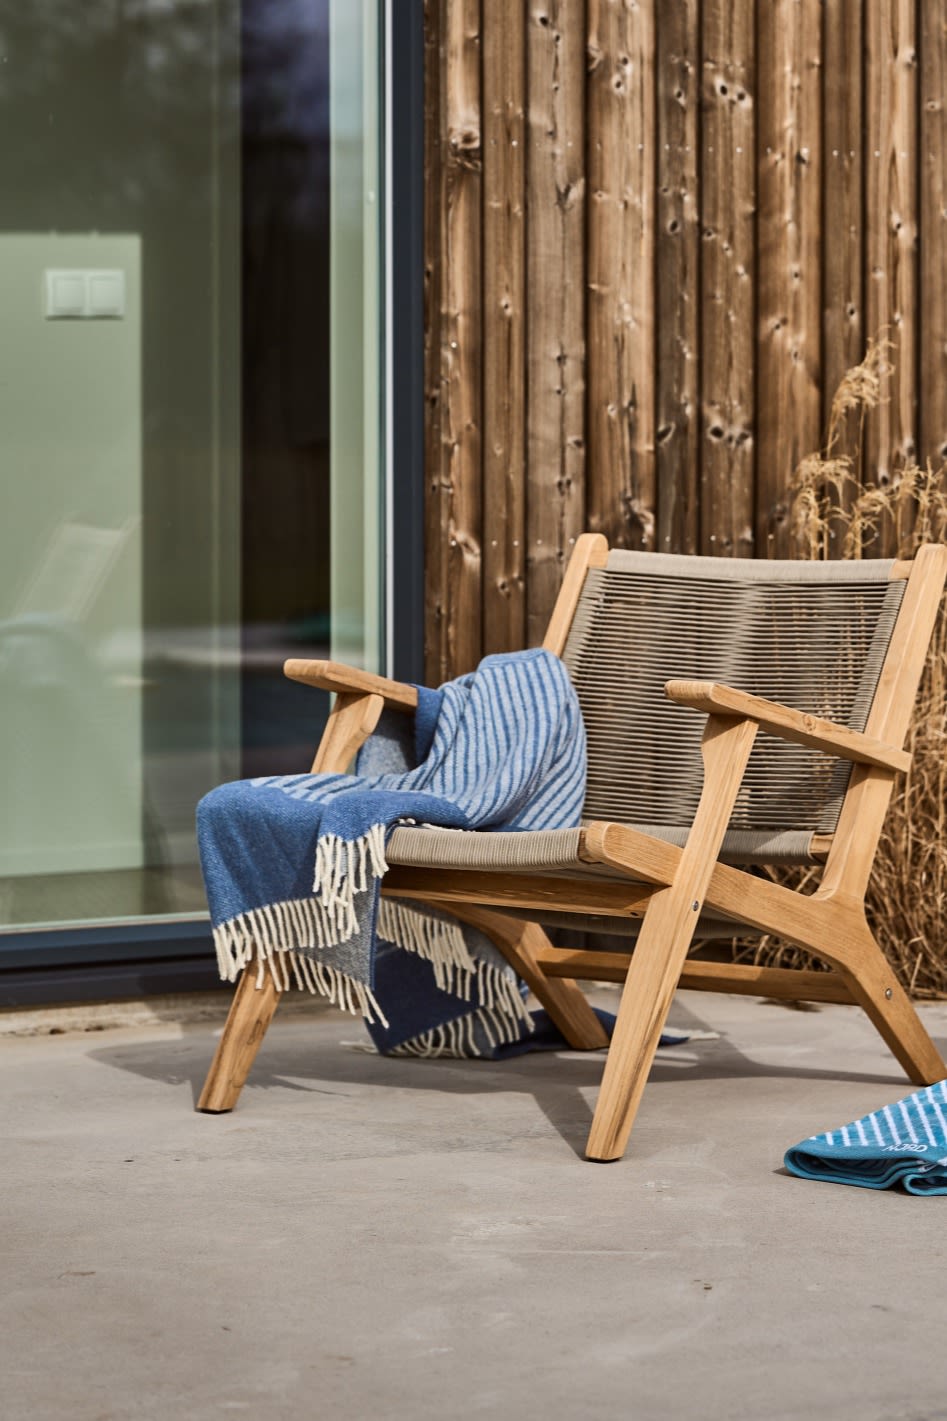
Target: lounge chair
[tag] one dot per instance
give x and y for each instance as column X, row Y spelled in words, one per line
column 739, row 713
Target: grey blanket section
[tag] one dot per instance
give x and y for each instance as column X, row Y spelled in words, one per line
column 391, row 749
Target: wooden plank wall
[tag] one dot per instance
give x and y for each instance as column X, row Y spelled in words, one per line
column 657, row 233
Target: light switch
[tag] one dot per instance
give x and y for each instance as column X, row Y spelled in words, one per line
column 106, row 294
column 65, row 293
column 85, row 295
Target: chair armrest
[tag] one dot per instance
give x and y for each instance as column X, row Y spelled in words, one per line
column 348, row 680
column 788, row 724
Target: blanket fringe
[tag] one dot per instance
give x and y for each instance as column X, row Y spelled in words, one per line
column 278, row 934
column 326, row 920
column 269, row 936
column 342, row 870
column 441, row 942
column 458, row 1039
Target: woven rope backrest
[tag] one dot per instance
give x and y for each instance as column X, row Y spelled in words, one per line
column 809, row 635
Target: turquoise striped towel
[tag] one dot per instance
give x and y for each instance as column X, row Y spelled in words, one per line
column 904, row 1143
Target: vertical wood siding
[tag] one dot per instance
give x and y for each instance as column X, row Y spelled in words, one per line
column 843, row 168
column 891, row 165
column 677, row 281
column 727, row 278
column 657, row 234
column 788, row 237
column 504, row 326
column 555, row 285
column 620, row 153
column 932, row 160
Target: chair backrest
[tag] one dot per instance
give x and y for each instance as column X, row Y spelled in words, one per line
column 809, row 635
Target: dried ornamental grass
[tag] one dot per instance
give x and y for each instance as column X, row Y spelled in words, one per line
column 834, row 509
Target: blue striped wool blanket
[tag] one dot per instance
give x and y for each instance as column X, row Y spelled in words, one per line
column 292, row 863
column 904, row 1143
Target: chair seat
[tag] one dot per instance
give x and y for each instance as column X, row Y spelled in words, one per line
column 549, row 851
column 460, row 848
column 559, row 848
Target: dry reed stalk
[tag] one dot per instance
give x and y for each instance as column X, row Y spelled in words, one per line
column 907, row 896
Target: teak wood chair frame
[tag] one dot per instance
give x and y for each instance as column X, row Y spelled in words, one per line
column 667, row 887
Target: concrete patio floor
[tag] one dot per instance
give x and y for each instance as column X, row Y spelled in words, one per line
column 379, row 1239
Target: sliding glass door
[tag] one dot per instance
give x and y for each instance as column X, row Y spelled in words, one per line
column 191, row 385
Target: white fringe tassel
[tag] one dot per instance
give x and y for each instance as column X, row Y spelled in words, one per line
column 458, row 1038
column 269, row 935
column 341, row 871
column 441, row 942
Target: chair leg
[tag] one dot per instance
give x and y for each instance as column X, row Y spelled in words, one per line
column 656, row 966
column 566, row 1003
column 878, row 992
column 666, row 934
column 250, row 1014
column 351, row 721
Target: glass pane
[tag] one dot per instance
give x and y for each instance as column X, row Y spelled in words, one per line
column 189, row 457
column 355, row 335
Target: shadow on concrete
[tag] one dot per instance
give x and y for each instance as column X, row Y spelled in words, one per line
column 291, row 1060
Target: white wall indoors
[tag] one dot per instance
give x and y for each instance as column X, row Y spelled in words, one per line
column 70, row 564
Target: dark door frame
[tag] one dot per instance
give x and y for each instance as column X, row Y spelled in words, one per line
column 405, row 338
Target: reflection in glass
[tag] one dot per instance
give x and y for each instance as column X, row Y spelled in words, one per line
column 170, row 462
